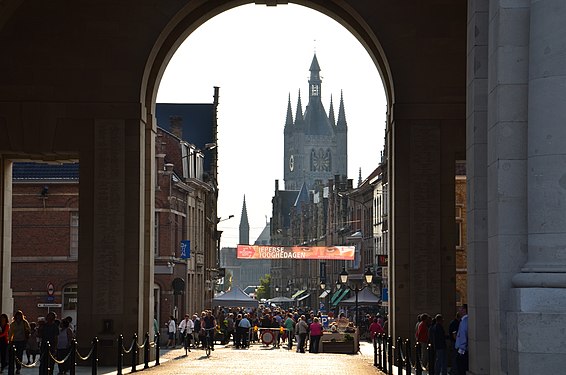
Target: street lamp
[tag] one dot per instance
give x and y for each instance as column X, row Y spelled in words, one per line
column 368, row 276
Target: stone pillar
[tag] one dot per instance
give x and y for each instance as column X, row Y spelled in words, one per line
column 476, row 173
column 506, row 171
column 539, row 297
column 112, row 258
column 7, row 301
column 422, row 261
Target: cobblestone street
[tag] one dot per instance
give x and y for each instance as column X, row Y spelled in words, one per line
column 259, row 360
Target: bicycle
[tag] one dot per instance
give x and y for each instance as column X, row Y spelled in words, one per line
column 187, row 342
column 209, row 340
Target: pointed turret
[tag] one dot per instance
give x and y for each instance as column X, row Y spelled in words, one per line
column 360, row 177
column 341, row 123
column 331, row 113
column 289, row 119
column 244, row 225
column 299, row 119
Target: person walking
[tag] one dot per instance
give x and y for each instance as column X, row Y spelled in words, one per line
column 422, row 337
column 302, row 329
column 49, row 333
column 315, row 330
column 171, row 330
column 4, row 331
column 19, row 332
column 461, row 344
column 438, row 340
column 64, row 340
column 452, row 331
column 32, row 344
column 289, row 326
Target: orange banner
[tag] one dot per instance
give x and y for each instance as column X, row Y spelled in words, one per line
column 296, row 252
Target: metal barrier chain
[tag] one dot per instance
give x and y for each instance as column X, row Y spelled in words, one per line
column 87, row 356
column 131, row 348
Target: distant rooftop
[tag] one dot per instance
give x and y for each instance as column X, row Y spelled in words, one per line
column 36, row 171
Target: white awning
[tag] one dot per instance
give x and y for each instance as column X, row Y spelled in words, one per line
column 303, row 297
column 323, row 294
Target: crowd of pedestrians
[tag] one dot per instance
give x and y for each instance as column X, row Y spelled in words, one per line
column 292, row 328
column 32, row 337
column 449, row 345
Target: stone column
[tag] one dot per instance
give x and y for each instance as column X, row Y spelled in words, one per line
column 540, row 288
column 476, row 174
column 506, row 172
column 422, row 263
column 113, row 295
column 6, row 299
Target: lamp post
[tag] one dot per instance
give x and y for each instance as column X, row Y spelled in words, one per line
column 368, row 276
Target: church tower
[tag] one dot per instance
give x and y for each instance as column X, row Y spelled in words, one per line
column 244, row 226
column 315, row 146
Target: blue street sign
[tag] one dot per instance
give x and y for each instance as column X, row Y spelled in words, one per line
column 185, row 249
column 50, row 298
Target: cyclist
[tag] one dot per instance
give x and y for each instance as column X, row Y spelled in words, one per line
column 244, row 328
column 186, row 328
column 209, row 324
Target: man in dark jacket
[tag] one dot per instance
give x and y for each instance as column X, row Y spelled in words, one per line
column 438, row 340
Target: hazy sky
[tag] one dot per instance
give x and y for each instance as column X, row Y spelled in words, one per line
column 259, row 55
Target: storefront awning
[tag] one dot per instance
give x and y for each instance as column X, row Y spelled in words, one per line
column 323, row 294
column 303, row 297
column 340, row 297
column 336, row 294
column 298, row 293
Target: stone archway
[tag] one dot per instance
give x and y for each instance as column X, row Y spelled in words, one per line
column 85, row 87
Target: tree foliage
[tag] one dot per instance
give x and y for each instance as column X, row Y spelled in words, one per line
column 264, row 288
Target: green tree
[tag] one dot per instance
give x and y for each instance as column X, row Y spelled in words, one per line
column 227, row 280
column 264, row 288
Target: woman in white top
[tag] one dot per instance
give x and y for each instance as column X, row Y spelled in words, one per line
column 171, row 330
column 186, row 328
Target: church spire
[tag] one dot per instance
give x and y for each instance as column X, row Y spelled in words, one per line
column 341, row 123
column 331, row 113
column 244, row 225
column 289, row 119
column 314, row 80
column 299, row 114
column 360, row 177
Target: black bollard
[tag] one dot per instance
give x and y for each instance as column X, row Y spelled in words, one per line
column 134, row 352
column 157, row 349
column 399, row 348
column 11, row 358
column 73, row 358
column 146, row 351
column 418, row 366
column 120, row 358
column 94, row 356
column 390, row 354
column 375, row 350
column 384, row 354
column 408, row 356
column 380, row 352
column 431, row 358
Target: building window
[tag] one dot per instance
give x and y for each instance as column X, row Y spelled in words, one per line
column 458, row 235
column 70, row 298
column 74, row 234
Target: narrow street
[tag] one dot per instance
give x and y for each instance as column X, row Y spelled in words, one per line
column 260, row 360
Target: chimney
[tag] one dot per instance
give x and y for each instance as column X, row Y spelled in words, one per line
column 276, row 185
column 176, row 126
